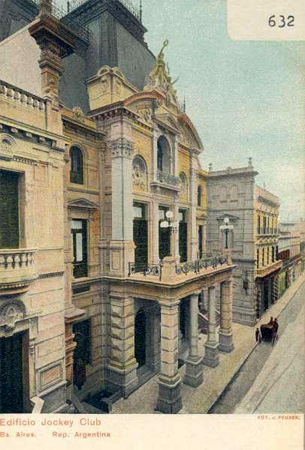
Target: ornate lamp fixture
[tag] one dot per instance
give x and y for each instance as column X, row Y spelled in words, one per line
column 173, row 226
column 226, row 229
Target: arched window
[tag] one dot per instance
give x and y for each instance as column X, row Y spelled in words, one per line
column 163, row 156
column 76, row 172
column 199, row 195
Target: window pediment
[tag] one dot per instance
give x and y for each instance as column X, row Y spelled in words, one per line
column 229, row 216
column 82, row 203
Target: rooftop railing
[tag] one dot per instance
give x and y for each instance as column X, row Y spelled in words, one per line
column 136, row 12
column 62, row 14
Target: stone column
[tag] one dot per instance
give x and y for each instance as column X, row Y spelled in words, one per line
column 122, row 373
column 225, row 332
column 169, row 397
column 211, row 356
column 121, row 246
column 194, row 368
column 155, row 233
column 192, row 218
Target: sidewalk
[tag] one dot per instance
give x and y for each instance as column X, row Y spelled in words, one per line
column 201, row 399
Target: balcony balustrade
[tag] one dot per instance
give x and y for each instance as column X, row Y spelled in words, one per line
column 209, row 263
column 145, row 269
column 208, row 260
column 167, row 178
column 17, row 268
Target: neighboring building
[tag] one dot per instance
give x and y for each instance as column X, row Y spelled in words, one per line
column 290, row 252
column 104, row 266
column 268, row 264
column 253, row 213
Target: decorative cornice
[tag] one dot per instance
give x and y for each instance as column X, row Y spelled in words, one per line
column 50, row 275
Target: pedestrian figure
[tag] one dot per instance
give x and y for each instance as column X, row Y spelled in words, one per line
column 275, row 329
column 258, row 336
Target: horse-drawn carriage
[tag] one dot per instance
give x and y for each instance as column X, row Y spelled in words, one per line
column 269, row 331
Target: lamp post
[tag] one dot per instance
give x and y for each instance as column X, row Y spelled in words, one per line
column 226, row 229
column 173, row 226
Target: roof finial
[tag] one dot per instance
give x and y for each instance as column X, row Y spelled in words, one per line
column 45, row 7
column 141, row 11
column 184, row 105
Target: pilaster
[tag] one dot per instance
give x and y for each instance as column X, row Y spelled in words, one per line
column 193, row 223
column 226, row 332
column 121, row 370
column 169, row 397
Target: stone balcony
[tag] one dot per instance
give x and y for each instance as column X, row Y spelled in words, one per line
column 17, row 269
column 167, row 181
column 264, row 271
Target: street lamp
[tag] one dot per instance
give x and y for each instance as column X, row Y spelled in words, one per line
column 226, row 229
column 173, row 226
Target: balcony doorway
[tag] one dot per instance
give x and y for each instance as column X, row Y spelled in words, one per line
column 9, row 210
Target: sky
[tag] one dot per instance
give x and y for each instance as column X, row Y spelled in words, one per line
column 246, row 98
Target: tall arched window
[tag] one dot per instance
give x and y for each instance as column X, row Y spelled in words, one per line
column 199, row 195
column 77, row 171
column 163, row 156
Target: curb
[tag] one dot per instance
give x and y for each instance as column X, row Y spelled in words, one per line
column 248, row 356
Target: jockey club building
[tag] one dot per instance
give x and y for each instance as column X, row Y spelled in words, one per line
column 103, row 258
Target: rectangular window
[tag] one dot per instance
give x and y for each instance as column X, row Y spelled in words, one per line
column 82, row 337
column 257, row 258
column 182, row 236
column 140, row 236
column 164, row 235
column 79, row 239
column 200, row 241
column 9, row 209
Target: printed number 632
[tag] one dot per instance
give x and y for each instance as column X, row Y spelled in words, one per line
column 282, row 21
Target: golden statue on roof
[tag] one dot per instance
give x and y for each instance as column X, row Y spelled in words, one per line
column 159, row 77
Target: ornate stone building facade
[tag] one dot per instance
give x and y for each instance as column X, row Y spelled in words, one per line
column 253, row 213
column 102, row 273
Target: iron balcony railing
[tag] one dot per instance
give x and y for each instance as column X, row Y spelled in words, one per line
column 208, row 260
column 146, row 269
column 73, row 23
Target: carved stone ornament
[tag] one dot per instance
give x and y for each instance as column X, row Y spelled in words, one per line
column 10, row 313
column 121, row 148
column 145, row 114
column 139, row 174
column 78, row 114
column 6, row 148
